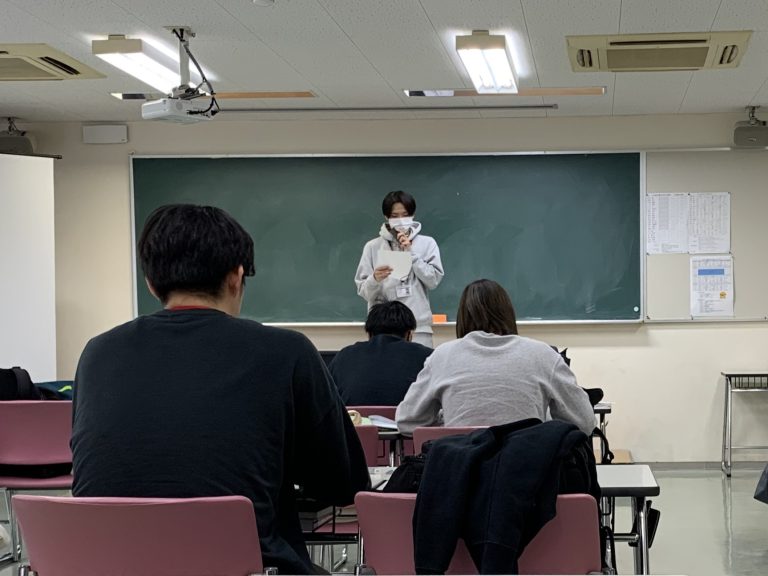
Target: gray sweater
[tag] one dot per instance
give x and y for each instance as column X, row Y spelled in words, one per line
column 485, row 379
column 426, row 273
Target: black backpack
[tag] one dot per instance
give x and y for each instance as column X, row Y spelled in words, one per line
column 15, row 384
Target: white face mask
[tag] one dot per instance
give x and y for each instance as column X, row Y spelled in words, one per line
column 400, row 223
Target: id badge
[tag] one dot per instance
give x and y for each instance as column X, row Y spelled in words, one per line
column 403, row 291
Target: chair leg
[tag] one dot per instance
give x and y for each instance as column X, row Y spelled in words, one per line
column 336, row 564
column 13, row 527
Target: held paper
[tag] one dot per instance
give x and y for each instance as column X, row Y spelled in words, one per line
column 400, row 262
column 711, row 286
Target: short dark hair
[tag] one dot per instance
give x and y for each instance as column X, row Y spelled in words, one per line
column 190, row 248
column 485, row 306
column 391, row 317
column 398, row 196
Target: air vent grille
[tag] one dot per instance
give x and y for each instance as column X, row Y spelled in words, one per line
column 58, row 64
column 584, row 58
column 657, row 52
column 729, row 54
column 40, row 62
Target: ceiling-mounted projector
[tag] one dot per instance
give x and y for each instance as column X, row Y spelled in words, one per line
column 176, row 110
column 14, row 141
column 752, row 133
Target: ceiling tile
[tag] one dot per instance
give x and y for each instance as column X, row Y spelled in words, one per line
column 733, row 89
column 398, row 40
column 650, row 92
column 650, row 16
column 549, row 22
column 742, row 15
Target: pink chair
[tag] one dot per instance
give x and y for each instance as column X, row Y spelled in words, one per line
column 342, row 527
column 369, row 439
column 427, row 433
column 568, row 544
column 33, row 432
column 139, row 536
column 387, row 412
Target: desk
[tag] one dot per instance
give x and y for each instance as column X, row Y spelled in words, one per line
column 601, row 409
column 739, row 381
column 395, row 439
column 634, row 481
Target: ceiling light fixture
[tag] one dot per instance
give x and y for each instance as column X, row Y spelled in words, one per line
column 487, row 61
column 139, row 59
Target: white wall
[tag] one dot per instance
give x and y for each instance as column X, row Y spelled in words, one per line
column 663, row 378
column 27, row 266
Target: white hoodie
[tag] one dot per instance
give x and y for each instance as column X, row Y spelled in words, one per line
column 426, row 273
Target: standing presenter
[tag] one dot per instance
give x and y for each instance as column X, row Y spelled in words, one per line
column 375, row 282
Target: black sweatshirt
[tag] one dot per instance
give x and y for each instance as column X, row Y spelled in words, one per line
column 192, row 403
column 378, row 372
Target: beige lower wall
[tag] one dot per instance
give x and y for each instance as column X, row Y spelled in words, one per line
column 663, row 378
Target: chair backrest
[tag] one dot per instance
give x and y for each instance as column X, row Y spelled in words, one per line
column 427, row 433
column 385, row 525
column 369, row 438
column 569, row 544
column 34, row 432
column 139, row 536
column 365, row 411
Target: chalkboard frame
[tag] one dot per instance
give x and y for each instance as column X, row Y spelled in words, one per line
column 298, row 324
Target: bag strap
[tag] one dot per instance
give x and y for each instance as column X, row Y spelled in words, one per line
column 27, row 390
column 606, row 456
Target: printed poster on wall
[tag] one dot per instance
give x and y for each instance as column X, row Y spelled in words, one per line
column 709, row 223
column 711, row 286
column 666, row 223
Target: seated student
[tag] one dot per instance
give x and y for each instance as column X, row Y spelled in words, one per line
column 490, row 375
column 192, row 401
column 379, row 371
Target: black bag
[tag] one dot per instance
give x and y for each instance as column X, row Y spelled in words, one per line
column 407, row 477
column 15, row 384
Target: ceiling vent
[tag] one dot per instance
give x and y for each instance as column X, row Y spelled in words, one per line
column 657, row 52
column 21, row 62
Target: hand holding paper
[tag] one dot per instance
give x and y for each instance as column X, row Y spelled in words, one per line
column 400, row 262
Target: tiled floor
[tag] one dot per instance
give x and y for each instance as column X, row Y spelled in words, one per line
column 709, row 526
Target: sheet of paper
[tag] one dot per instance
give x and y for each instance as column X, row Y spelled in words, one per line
column 383, row 422
column 400, row 262
column 709, row 223
column 711, row 286
column 666, row 223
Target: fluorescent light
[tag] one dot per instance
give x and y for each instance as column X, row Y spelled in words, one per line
column 139, row 60
column 429, row 93
column 487, row 62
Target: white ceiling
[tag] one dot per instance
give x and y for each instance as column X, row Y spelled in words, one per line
column 363, row 53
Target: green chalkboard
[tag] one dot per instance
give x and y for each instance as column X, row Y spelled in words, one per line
column 560, row 231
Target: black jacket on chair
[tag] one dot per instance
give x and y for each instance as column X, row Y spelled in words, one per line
column 496, row 488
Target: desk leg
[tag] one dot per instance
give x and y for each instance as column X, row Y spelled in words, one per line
column 727, row 441
column 392, row 452
column 641, row 520
column 606, row 520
